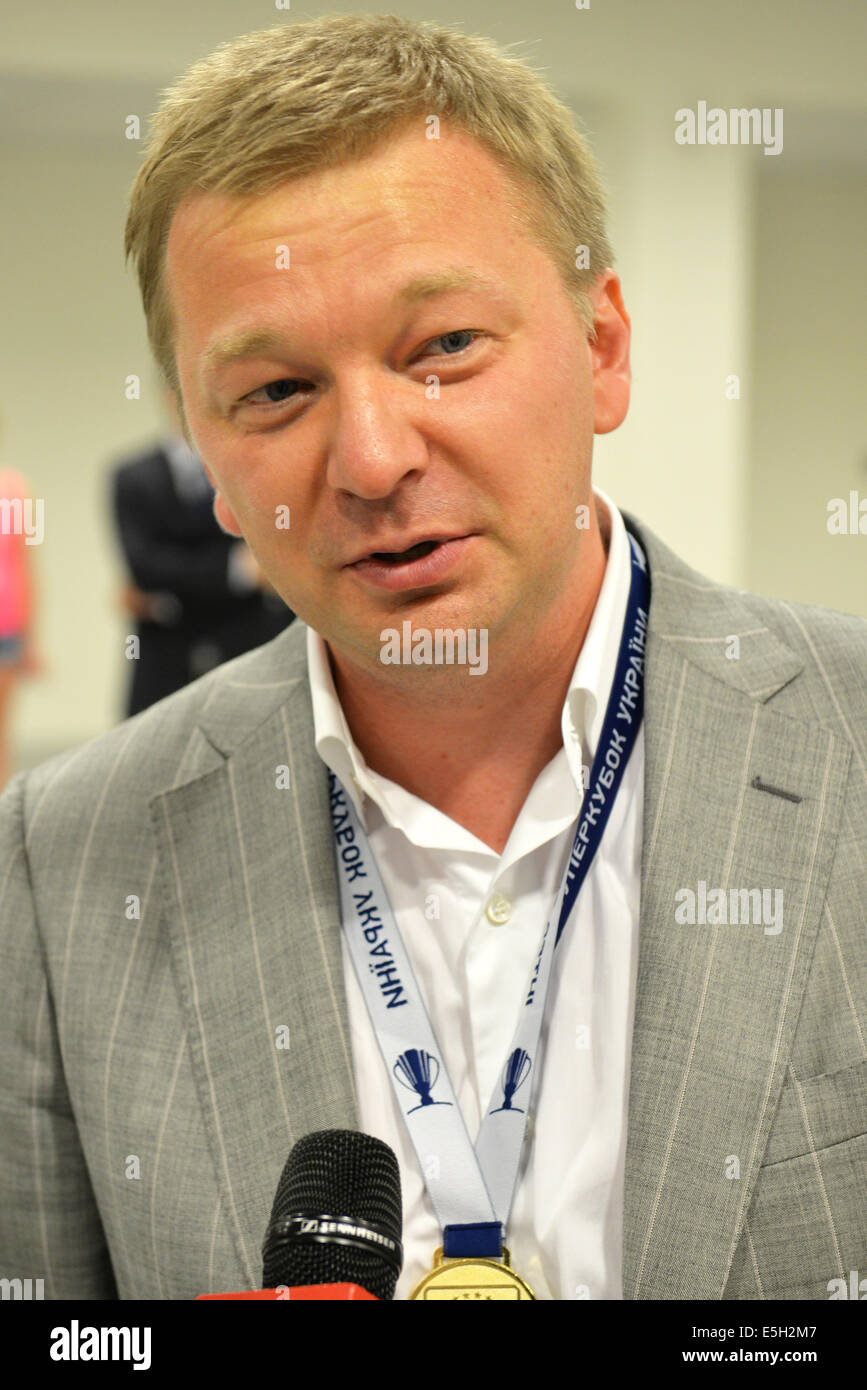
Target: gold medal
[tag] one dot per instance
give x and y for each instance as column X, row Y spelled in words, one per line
column 477, row 1279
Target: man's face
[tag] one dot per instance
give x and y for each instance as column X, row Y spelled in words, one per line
column 378, row 417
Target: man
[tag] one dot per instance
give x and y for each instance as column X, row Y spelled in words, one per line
column 386, row 346
column 198, row 594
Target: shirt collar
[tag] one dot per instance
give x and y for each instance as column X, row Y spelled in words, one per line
column 587, row 698
column 583, row 709
column 334, row 742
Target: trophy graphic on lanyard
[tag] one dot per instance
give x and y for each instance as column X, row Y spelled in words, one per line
column 415, row 1070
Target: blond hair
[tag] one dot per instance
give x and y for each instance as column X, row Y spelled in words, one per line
column 282, row 102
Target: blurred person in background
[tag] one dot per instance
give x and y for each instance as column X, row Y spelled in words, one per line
column 197, row 593
column 17, row 654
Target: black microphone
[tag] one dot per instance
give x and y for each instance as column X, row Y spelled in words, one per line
column 337, row 1216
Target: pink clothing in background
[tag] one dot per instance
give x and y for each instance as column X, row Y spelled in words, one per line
column 14, row 606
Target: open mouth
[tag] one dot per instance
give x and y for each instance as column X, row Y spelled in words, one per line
column 418, row 567
column 404, row 557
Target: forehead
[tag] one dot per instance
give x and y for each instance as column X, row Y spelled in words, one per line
column 408, row 189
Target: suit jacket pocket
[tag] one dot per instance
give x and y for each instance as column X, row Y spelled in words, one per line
column 818, row 1112
column 807, row 1222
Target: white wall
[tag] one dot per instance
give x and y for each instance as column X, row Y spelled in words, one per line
column 809, row 433
column 73, row 330
column 682, row 231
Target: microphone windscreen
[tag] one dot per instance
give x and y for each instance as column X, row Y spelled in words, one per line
column 351, row 1178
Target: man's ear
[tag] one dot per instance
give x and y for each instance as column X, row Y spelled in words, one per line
column 609, row 354
column 226, row 518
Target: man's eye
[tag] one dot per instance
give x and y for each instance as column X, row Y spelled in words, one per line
column 285, row 387
column 277, row 391
column 454, row 347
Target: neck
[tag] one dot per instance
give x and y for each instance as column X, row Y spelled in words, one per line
column 475, row 753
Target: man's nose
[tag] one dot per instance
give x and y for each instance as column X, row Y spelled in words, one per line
column 375, row 440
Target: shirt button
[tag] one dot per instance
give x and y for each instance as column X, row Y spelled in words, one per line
column 498, row 910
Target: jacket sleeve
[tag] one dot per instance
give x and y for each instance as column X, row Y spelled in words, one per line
column 49, row 1222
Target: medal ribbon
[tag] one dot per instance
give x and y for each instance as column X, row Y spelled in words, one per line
column 472, row 1189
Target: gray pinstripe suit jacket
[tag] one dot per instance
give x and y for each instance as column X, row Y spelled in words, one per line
column 164, row 908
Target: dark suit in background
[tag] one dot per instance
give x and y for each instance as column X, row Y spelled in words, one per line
column 207, row 611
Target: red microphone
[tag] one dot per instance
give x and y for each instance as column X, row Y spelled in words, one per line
column 310, row 1253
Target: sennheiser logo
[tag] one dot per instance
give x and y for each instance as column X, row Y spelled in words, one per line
column 76, row 1343
column 335, row 1228
column 332, row 1226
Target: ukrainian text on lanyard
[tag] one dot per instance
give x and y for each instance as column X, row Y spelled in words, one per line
column 472, row 1189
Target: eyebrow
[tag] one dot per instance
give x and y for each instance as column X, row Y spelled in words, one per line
column 444, row 282
column 256, row 341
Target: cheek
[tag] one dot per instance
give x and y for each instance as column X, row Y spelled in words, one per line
column 531, row 443
column 253, row 484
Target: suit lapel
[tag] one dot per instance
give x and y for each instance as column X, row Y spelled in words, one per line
column 716, row 1005
column 251, row 905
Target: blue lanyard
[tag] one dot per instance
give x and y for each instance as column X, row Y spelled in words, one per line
column 620, row 727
